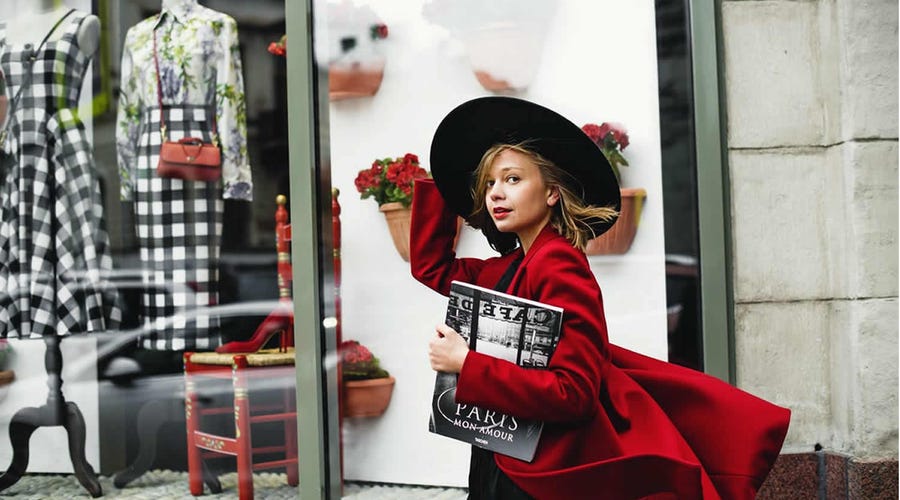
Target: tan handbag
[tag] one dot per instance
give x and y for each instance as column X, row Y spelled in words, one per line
column 190, row 158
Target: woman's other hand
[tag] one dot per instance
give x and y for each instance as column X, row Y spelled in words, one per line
column 447, row 350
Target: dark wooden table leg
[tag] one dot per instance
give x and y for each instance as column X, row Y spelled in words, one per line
column 21, row 427
column 55, row 412
column 150, row 418
column 83, row 471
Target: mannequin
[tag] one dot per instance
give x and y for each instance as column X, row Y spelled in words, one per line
column 178, row 221
column 181, row 221
column 59, row 224
column 38, row 17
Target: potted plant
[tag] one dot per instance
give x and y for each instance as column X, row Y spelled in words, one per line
column 612, row 139
column 367, row 387
column 389, row 182
column 355, row 58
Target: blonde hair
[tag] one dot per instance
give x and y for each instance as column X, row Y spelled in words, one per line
column 571, row 217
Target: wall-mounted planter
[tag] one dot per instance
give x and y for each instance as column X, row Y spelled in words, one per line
column 398, row 220
column 619, row 238
column 367, row 398
column 358, row 79
column 505, row 56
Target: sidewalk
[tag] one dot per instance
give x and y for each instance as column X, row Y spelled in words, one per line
column 164, row 485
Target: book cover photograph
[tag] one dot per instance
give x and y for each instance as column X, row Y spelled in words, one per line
column 518, row 330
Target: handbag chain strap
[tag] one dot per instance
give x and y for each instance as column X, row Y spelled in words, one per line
column 162, row 122
column 26, row 80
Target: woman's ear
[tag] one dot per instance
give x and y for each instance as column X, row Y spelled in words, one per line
column 553, row 196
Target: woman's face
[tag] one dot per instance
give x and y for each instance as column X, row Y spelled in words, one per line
column 517, row 198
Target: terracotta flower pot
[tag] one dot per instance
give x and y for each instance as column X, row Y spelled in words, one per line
column 505, row 56
column 618, row 239
column 367, row 398
column 346, row 81
column 398, row 218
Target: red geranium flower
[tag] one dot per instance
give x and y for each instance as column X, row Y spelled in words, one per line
column 378, row 31
column 611, row 138
column 390, row 179
column 279, row 48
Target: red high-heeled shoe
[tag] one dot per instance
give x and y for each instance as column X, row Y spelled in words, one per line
column 279, row 321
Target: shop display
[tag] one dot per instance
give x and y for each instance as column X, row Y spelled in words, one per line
column 200, row 95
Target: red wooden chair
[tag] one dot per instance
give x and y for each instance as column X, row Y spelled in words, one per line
column 249, row 369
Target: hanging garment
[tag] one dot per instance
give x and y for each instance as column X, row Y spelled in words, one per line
column 179, row 223
column 54, row 249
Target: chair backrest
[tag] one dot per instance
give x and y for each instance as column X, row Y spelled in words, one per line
column 336, row 234
column 283, row 248
column 282, row 243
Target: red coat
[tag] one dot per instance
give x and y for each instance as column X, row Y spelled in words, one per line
column 618, row 425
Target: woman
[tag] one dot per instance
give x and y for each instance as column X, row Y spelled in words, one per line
column 617, row 424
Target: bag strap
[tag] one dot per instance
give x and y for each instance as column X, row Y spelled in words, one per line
column 162, row 122
column 506, row 280
column 26, row 80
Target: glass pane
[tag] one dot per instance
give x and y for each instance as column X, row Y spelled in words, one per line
column 395, row 69
column 139, row 225
column 679, row 172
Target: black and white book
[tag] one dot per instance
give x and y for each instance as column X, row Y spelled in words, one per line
column 518, row 330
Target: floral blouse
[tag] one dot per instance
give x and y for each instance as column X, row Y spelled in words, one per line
column 199, row 60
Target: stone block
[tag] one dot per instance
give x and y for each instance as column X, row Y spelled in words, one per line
column 873, row 432
column 872, row 235
column 782, row 354
column 793, row 476
column 835, row 475
column 780, row 89
column 788, row 225
column 867, row 30
column 872, row 479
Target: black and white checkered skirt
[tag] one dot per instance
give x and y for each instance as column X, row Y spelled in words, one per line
column 54, row 249
column 178, row 228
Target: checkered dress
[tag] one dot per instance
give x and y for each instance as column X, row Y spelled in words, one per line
column 193, row 72
column 178, row 227
column 54, row 249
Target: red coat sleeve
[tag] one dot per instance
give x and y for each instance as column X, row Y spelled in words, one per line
column 432, row 230
column 567, row 391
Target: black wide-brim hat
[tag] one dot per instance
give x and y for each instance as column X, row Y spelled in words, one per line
column 470, row 129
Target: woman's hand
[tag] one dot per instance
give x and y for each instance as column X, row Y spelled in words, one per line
column 447, row 351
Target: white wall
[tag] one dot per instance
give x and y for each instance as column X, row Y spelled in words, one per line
column 598, row 64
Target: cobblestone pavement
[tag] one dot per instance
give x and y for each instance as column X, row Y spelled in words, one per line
column 160, row 485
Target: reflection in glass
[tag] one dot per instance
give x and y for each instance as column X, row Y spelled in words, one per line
column 138, row 269
column 679, row 168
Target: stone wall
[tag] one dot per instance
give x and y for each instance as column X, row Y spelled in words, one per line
column 812, row 106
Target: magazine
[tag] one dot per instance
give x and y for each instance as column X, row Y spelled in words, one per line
column 521, row 331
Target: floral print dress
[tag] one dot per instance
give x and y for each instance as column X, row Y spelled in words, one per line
column 179, row 223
